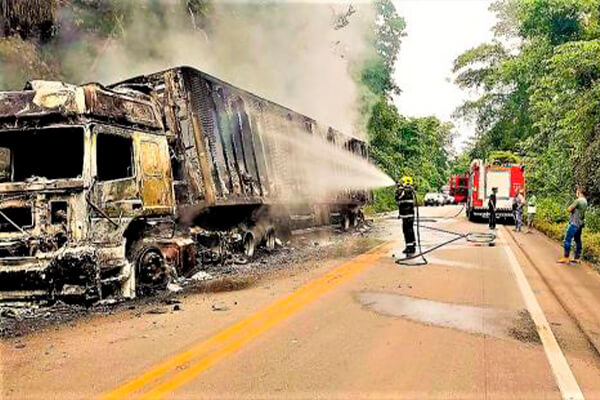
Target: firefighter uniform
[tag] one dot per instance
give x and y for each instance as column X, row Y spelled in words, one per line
column 405, row 198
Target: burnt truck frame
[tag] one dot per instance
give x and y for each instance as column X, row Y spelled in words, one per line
column 113, row 190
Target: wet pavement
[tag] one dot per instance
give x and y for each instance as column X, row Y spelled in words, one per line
column 494, row 322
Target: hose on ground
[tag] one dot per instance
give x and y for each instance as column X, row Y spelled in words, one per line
column 471, row 237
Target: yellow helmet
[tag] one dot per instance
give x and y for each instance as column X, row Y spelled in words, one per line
column 407, row 180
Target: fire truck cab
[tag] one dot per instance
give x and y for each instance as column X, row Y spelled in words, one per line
column 459, row 187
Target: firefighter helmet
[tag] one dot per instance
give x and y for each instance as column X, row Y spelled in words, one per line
column 407, row 180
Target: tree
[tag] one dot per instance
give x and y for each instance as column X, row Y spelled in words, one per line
column 28, row 18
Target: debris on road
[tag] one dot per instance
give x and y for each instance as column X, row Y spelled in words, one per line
column 219, row 307
column 157, row 311
column 17, row 321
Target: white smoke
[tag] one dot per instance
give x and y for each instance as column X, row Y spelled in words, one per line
column 288, row 52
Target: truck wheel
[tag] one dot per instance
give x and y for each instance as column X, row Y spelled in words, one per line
column 270, row 239
column 346, row 222
column 354, row 220
column 249, row 243
column 151, row 271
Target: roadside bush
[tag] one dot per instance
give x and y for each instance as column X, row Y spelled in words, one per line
column 552, row 211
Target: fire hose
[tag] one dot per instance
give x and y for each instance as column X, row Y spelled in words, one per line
column 471, row 237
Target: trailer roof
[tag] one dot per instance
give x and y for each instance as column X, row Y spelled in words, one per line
column 157, row 78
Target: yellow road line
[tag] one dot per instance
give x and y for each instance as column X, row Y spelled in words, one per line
column 209, row 352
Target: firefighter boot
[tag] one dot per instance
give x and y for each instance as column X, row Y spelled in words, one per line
column 410, row 250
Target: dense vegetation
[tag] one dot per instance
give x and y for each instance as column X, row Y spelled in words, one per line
column 539, row 82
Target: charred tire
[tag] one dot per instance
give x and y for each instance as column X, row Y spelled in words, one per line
column 270, row 239
column 354, row 220
column 249, row 243
column 152, row 274
column 346, row 222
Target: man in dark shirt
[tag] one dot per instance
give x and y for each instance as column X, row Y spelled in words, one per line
column 405, row 199
column 492, row 208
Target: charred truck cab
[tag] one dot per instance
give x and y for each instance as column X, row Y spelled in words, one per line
column 78, row 165
column 111, row 191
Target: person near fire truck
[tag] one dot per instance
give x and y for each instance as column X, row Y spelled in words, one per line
column 531, row 210
column 519, row 204
column 492, row 204
column 405, row 199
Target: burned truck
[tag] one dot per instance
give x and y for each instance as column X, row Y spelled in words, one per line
column 113, row 191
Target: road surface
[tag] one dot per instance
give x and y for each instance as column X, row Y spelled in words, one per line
column 476, row 322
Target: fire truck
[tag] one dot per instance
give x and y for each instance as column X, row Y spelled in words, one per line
column 483, row 177
column 459, row 187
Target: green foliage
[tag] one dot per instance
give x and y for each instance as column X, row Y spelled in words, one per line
column 19, row 60
column 503, row 157
column 28, row 18
column 410, row 146
column 461, row 164
column 383, row 201
column 390, row 29
column 376, row 73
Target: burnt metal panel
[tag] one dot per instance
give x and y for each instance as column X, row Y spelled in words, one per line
column 201, row 107
column 119, row 107
column 20, row 104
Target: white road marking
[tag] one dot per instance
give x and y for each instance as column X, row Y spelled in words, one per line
column 565, row 379
column 450, row 263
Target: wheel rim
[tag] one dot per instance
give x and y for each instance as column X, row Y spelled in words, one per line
column 270, row 242
column 152, row 270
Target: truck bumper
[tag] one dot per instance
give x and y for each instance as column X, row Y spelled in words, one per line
column 72, row 273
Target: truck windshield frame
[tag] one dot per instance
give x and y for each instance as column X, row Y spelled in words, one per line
column 36, row 155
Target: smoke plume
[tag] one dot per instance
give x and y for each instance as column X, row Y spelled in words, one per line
column 297, row 54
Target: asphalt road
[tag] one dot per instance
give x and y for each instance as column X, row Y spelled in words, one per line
column 476, row 322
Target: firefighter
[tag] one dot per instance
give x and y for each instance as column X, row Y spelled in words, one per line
column 492, row 205
column 405, row 198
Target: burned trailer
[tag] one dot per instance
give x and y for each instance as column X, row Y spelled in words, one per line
column 241, row 160
column 113, row 190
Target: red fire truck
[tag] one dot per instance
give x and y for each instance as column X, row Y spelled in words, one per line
column 508, row 178
column 459, row 187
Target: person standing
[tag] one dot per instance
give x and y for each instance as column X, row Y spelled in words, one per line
column 405, row 199
column 575, row 228
column 492, row 204
column 531, row 210
column 519, row 205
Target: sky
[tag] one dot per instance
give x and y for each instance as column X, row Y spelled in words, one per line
column 437, row 32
